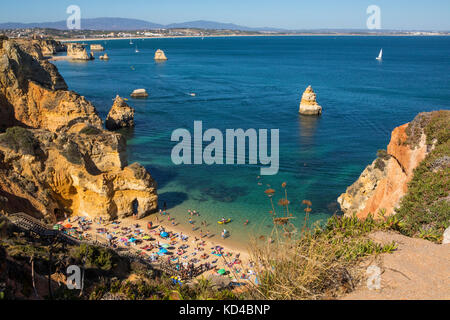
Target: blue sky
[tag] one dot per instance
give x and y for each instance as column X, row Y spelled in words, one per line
column 292, row 14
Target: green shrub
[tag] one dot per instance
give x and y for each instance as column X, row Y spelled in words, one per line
column 20, row 140
column 425, row 210
column 90, row 131
column 96, row 257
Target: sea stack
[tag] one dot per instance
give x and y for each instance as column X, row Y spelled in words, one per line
column 120, row 116
column 97, row 47
column 139, row 93
column 77, row 51
column 160, row 56
column 309, row 105
column 104, row 57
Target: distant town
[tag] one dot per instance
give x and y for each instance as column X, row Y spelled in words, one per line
column 45, row 33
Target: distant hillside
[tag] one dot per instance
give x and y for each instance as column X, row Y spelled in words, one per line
column 114, row 24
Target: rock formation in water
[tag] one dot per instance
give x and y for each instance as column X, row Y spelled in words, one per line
column 309, row 105
column 383, row 183
column 160, row 55
column 55, row 157
column 104, row 57
column 139, row 93
column 97, row 47
column 77, row 51
column 120, row 116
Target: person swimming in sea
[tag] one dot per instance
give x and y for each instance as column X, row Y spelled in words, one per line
column 246, row 223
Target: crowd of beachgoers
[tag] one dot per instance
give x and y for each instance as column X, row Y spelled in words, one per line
column 157, row 240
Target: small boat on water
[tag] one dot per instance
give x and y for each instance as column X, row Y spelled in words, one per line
column 137, row 50
column 380, row 56
column 224, row 221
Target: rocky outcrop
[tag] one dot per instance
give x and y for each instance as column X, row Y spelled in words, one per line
column 82, row 171
column 104, row 57
column 34, row 94
column 120, row 116
column 77, row 51
column 97, row 47
column 139, row 93
column 446, row 237
column 383, row 183
column 55, row 157
column 309, row 105
column 160, row 55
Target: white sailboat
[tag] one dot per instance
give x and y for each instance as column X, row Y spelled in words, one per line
column 137, row 50
column 380, row 56
column 131, row 41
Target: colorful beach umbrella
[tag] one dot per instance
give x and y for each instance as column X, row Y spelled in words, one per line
column 164, row 234
column 222, row 272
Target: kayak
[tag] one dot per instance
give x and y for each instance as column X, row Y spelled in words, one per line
column 224, row 222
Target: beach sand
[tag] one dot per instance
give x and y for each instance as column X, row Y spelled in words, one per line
column 195, row 250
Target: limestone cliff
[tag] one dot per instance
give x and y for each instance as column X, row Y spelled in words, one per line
column 120, row 116
column 33, row 93
column 55, row 157
column 309, row 105
column 383, row 183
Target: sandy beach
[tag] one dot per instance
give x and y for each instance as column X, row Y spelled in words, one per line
column 188, row 245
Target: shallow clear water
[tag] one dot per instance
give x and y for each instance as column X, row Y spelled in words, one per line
column 257, row 82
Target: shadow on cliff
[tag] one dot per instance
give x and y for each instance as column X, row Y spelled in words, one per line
column 16, row 204
column 172, row 199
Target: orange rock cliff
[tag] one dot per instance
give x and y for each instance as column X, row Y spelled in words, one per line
column 56, row 159
column 382, row 184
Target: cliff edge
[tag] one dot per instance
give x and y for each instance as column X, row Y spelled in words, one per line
column 56, row 159
column 411, row 178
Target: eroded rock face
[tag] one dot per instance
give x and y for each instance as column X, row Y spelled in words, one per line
column 383, row 184
column 34, row 94
column 120, row 116
column 78, row 172
column 64, row 163
column 309, row 105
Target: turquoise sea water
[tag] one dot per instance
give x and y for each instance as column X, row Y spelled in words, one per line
column 257, row 82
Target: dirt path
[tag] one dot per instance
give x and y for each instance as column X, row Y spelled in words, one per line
column 418, row 270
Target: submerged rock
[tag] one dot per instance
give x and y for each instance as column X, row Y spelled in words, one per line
column 309, row 105
column 160, row 55
column 120, row 116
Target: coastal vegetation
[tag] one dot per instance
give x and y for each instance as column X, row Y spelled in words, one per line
column 20, row 140
column 425, row 210
column 316, row 262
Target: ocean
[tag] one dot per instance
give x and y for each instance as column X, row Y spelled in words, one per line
column 257, row 82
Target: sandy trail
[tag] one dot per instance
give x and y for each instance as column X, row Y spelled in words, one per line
column 418, row 270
